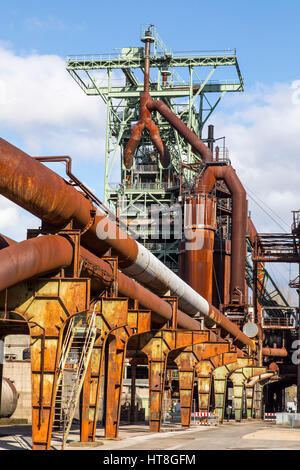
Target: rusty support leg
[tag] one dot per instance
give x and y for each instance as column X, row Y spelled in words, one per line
column 110, row 313
column 186, row 374
column 84, row 406
column 159, row 344
column 238, row 381
column 220, row 383
column 204, row 380
column 46, row 305
column 258, row 400
column 132, row 397
column 216, row 356
column 157, row 371
column 249, row 401
column 138, row 322
column 190, row 359
column 95, row 386
column 43, row 387
column 115, row 371
column 239, row 378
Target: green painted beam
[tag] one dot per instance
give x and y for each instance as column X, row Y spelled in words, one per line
column 174, row 92
column 98, row 62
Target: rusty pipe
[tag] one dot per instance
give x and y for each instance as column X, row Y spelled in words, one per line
column 147, row 64
column 145, row 121
column 197, row 145
column 36, row 256
column 275, row 352
column 252, row 232
column 273, row 367
column 239, row 224
column 27, row 259
column 45, row 194
column 197, row 258
column 149, row 300
column 146, row 106
column 129, row 288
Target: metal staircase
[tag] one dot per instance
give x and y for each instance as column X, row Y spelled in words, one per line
column 75, row 357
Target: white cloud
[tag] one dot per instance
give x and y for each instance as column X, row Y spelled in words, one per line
column 262, row 129
column 262, row 133
column 15, row 221
column 46, row 109
column 46, row 113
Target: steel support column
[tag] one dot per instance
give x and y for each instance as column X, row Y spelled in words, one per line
column 205, row 374
column 257, row 382
column 110, row 314
column 188, row 361
column 238, row 379
column 250, row 401
column 204, row 380
column 138, row 322
column 220, row 375
column 45, row 304
column 157, row 348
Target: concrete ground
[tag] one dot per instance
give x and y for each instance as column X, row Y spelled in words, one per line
column 247, row 435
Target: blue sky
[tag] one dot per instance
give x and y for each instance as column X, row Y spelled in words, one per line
column 265, row 33
column 44, row 112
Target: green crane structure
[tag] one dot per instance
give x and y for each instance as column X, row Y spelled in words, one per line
column 183, row 80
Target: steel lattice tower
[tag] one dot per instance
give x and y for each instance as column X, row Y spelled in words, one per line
column 184, row 82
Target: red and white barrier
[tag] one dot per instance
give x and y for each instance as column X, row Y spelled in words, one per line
column 269, row 416
column 205, row 414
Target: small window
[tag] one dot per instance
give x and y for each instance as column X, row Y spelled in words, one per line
column 10, row 357
column 26, row 354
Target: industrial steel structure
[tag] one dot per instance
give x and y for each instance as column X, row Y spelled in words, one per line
column 158, row 274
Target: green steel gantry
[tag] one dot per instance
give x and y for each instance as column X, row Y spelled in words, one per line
column 183, row 80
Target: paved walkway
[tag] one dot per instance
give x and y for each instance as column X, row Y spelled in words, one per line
column 228, row 436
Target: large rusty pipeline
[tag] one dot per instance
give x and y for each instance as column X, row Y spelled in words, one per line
column 37, row 256
column 27, row 259
column 239, row 224
column 197, row 145
column 135, row 291
column 36, row 188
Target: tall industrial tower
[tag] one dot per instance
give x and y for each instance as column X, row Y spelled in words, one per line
column 184, row 82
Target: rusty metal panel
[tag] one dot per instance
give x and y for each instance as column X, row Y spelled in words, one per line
column 46, row 304
column 110, row 313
